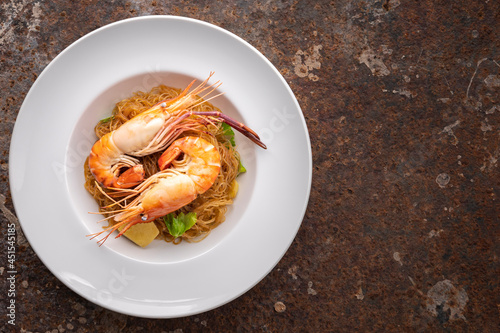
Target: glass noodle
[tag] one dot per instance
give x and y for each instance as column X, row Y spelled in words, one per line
column 211, row 206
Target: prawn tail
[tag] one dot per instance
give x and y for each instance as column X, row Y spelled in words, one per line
column 168, row 156
column 131, row 177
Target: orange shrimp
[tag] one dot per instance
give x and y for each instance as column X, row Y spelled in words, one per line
column 111, row 159
column 189, row 167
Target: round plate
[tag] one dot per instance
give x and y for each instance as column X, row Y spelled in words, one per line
column 54, row 133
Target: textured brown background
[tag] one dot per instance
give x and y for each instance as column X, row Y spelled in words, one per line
column 402, row 103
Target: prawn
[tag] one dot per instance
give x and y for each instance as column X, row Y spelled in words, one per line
column 113, row 158
column 189, row 167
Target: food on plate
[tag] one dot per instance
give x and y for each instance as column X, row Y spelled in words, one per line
column 165, row 165
column 142, row 234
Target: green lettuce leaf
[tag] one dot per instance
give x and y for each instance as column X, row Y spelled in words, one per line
column 241, row 168
column 229, row 133
column 177, row 226
column 105, row 120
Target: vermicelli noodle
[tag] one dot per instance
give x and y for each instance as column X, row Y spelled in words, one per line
column 211, row 206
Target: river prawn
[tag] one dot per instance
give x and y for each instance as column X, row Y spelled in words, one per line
column 188, row 168
column 113, row 158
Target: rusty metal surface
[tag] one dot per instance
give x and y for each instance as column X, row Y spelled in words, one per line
column 402, row 103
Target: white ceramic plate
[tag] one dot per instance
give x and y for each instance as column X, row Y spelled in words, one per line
column 54, row 133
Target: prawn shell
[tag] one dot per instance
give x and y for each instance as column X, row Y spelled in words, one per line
column 204, row 161
column 169, row 195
